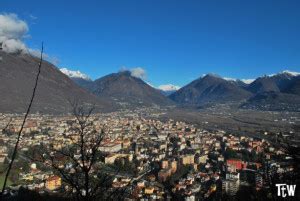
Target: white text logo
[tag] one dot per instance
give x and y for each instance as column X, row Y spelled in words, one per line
column 284, row 190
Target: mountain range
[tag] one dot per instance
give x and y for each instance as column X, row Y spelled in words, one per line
column 122, row 89
column 275, row 92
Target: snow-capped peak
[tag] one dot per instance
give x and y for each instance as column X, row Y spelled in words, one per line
column 74, row 74
column 168, row 87
column 247, row 81
column 291, row 73
column 229, row 79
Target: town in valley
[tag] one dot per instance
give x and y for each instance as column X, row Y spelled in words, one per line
column 149, row 158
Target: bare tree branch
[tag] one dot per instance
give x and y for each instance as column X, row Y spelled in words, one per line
column 24, row 120
column 8, row 123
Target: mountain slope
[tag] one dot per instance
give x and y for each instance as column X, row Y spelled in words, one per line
column 280, row 82
column 263, row 84
column 283, row 80
column 293, row 87
column 126, row 89
column 54, row 91
column 84, row 83
column 276, row 92
column 273, row 101
column 209, row 89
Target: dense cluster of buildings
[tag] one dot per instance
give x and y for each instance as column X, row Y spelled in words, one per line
column 166, row 159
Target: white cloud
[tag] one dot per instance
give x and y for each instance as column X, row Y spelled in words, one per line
column 138, row 72
column 37, row 53
column 13, row 46
column 74, row 74
column 12, row 27
column 168, row 87
column 12, row 32
column 151, row 85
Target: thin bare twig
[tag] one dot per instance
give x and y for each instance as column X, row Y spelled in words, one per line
column 8, row 123
column 24, row 120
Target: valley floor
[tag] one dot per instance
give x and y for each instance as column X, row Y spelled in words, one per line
column 250, row 122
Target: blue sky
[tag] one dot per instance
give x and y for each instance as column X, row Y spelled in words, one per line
column 174, row 41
